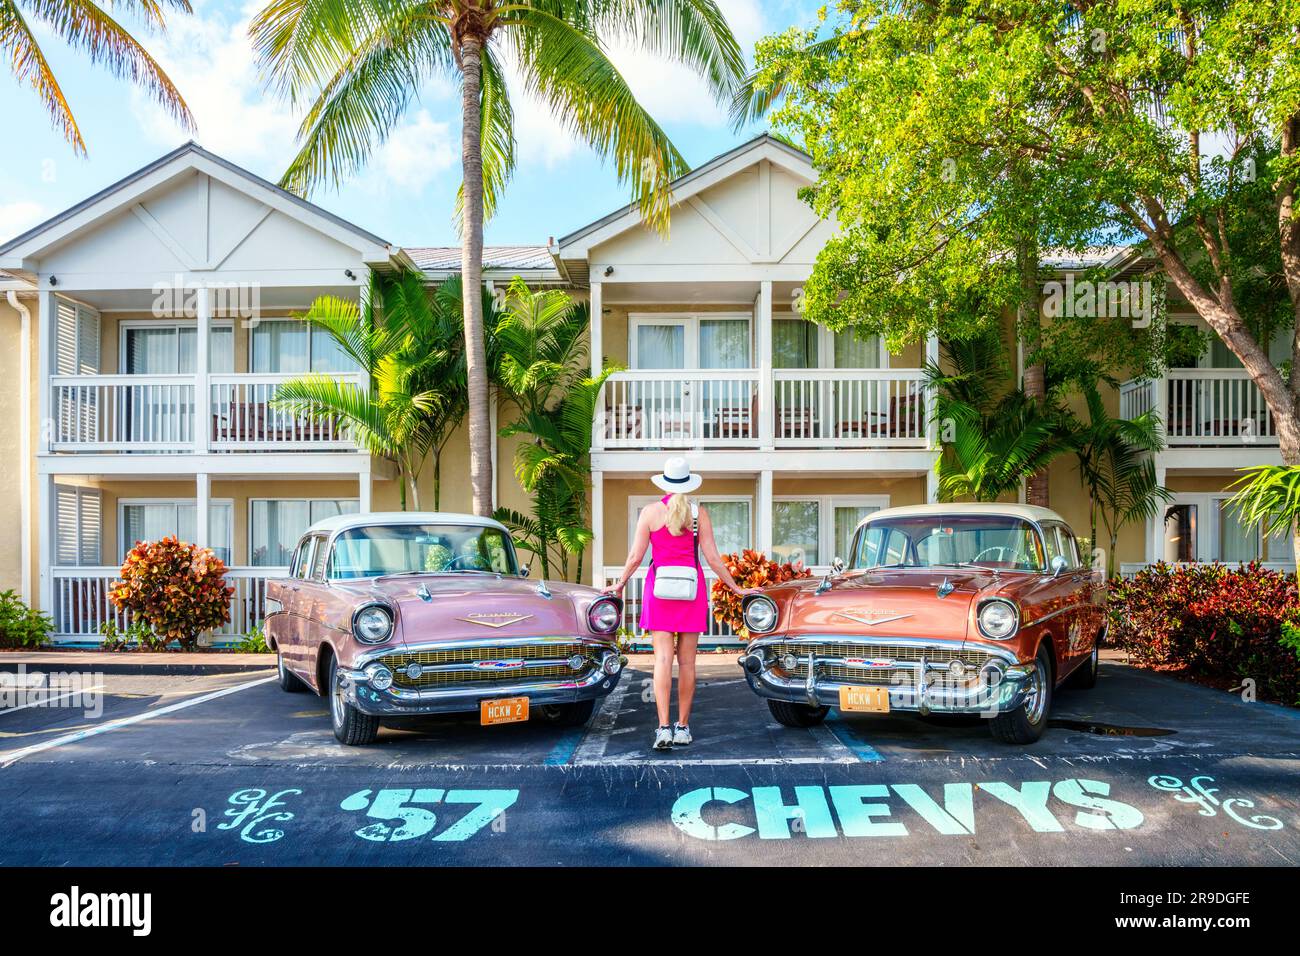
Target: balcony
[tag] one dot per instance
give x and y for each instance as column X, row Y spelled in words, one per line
column 722, row 408
column 1202, row 407
column 158, row 413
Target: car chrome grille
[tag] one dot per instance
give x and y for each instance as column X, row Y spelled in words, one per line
column 545, row 654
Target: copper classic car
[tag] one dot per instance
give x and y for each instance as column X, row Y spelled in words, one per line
column 395, row 615
column 947, row 609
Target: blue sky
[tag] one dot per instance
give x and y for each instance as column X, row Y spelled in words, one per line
column 406, row 194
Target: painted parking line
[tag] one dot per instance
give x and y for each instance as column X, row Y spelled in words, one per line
column 7, row 760
column 46, row 701
column 591, row 748
column 849, row 737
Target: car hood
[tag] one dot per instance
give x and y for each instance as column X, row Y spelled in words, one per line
column 886, row 603
column 458, row 607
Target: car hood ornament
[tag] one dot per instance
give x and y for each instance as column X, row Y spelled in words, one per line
column 494, row 618
column 871, row 618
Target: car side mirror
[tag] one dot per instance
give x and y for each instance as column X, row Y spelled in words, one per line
column 837, row 565
column 1059, row 564
column 523, row 572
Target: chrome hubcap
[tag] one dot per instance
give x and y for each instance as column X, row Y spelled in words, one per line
column 1036, row 694
column 336, row 702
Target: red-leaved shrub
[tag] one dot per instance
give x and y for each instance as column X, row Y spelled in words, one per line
column 178, row 589
column 1218, row 622
column 751, row 570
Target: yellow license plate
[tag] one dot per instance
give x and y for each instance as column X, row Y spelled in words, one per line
column 507, row 710
column 871, row 700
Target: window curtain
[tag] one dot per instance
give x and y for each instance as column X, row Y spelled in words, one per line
column 794, row 343
column 149, row 522
column 730, row 525
column 660, row 346
column 846, row 521
column 327, row 356
column 724, row 343
column 796, row 528
column 856, row 351
column 280, row 346
column 1236, row 543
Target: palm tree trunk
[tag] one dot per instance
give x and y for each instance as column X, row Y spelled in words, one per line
column 437, row 478
column 471, row 270
column 1036, row 488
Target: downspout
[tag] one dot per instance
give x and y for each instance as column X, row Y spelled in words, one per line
column 25, row 429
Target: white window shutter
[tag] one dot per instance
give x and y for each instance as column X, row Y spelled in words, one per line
column 87, row 341
column 79, row 526
column 90, row 536
column 67, row 521
column 66, row 339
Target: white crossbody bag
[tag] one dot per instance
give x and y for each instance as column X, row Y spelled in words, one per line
column 678, row 583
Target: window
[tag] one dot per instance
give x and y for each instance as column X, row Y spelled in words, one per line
column 440, row 549
column 302, row 559
column 151, row 520
column 291, row 345
column 318, row 558
column 731, row 517
column 156, row 348
column 798, row 343
column 921, row 541
column 276, row 524
column 708, row 340
column 815, row 530
column 1236, row 542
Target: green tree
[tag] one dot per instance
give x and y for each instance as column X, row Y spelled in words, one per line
column 541, row 367
column 1116, row 466
column 1150, row 119
column 408, row 342
column 88, row 27
column 993, row 436
column 1269, row 496
column 359, row 64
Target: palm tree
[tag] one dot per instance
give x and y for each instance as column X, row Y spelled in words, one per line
column 408, row 342
column 541, row 367
column 87, row 26
column 994, row 436
column 1116, row 465
column 1270, row 495
column 360, row 63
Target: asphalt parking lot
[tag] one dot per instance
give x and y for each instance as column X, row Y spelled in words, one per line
column 228, row 769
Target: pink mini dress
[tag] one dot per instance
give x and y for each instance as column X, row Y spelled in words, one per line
column 686, row 617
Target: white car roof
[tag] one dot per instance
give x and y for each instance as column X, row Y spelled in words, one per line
column 1028, row 512
column 347, row 522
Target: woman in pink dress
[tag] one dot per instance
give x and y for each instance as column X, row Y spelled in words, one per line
column 678, row 534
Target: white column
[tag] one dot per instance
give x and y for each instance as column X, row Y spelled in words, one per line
column 763, row 344
column 764, row 523
column 202, row 391
column 597, row 549
column 45, row 540
column 363, row 490
column 47, row 322
column 931, row 486
column 202, row 509
column 596, row 329
column 1155, row 547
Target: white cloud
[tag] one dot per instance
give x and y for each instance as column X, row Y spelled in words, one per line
column 414, row 153
column 17, row 217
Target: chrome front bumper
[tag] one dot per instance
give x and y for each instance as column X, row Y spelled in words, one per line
column 998, row 687
column 360, row 691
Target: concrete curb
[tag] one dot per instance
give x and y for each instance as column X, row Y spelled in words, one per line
column 132, row 662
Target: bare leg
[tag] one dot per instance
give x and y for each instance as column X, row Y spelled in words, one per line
column 687, row 644
column 663, row 682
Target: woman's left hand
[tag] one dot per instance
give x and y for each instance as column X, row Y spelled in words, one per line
column 746, row 592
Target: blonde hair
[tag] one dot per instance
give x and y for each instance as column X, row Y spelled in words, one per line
column 679, row 513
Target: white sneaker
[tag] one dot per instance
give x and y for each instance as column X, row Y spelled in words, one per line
column 664, row 738
column 681, row 735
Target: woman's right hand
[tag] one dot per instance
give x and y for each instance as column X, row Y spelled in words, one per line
column 615, row 590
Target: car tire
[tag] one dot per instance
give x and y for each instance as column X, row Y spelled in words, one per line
column 351, row 726
column 1085, row 675
column 288, row 680
column 568, row 715
column 797, row 715
column 1026, row 723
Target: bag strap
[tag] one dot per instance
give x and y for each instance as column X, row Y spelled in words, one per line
column 695, row 530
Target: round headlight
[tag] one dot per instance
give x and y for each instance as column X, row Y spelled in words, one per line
column 603, row 615
column 998, row 620
column 760, row 614
column 373, row 624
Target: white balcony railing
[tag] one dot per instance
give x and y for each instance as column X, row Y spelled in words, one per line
column 1203, row 406
column 844, row 409
column 82, row 604
column 720, row 408
column 142, row 413
column 679, row 408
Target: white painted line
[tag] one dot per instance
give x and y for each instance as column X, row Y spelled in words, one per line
column 7, row 760
column 592, row 747
column 46, row 701
column 832, row 744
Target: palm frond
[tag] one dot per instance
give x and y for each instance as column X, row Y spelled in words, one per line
column 30, row 68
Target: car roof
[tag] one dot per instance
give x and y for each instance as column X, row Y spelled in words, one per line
column 347, row 522
column 1028, row 512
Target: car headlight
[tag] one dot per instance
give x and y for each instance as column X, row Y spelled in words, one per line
column 372, row 623
column 998, row 620
column 603, row 615
column 760, row 614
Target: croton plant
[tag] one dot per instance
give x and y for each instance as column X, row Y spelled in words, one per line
column 176, row 588
column 751, row 570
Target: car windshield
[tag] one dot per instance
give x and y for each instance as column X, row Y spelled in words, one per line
column 931, row 541
column 369, row 552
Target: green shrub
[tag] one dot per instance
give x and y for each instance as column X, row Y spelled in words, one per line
column 254, row 642
column 20, row 625
column 136, row 636
column 1221, row 623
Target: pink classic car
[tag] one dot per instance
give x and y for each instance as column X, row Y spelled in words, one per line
column 394, row 615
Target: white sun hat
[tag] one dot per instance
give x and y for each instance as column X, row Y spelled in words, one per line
column 677, row 477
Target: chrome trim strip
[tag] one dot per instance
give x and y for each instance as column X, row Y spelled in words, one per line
column 1047, row 617
column 500, row 640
